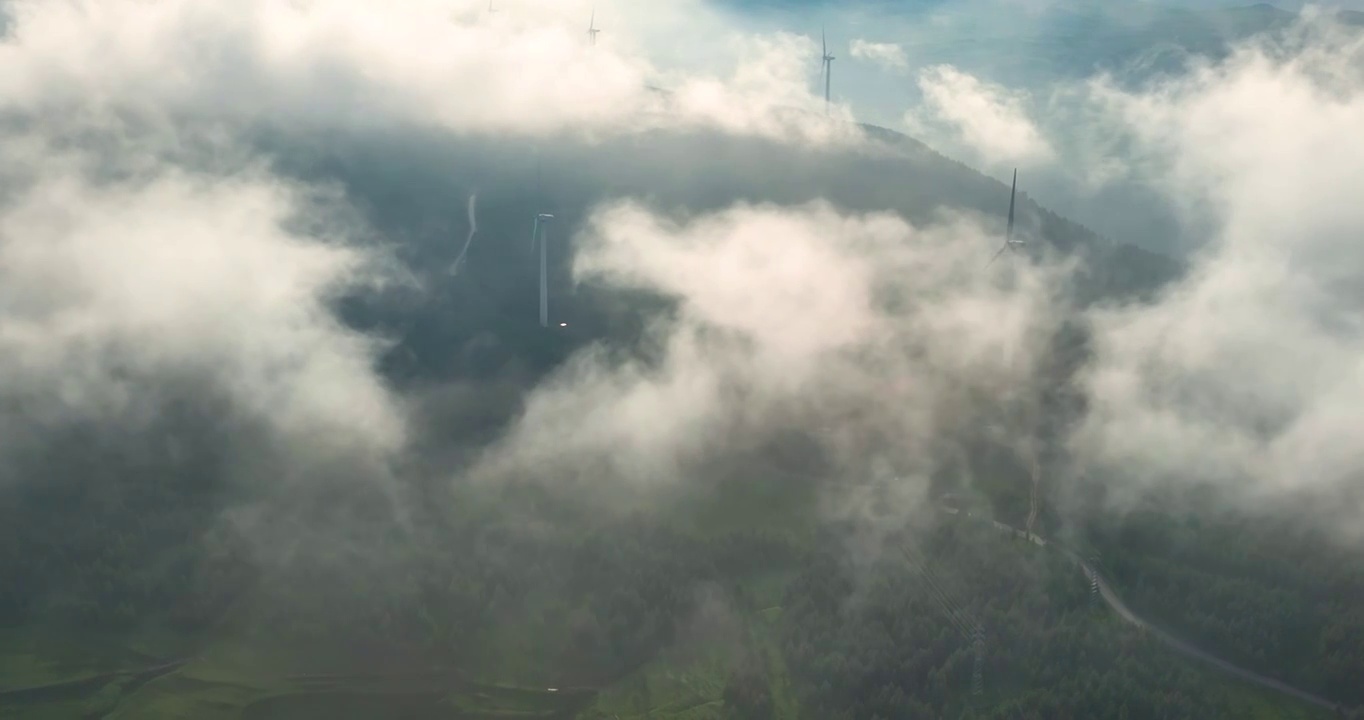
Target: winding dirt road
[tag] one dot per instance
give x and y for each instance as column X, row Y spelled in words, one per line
column 1115, row 602
column 1126, row 613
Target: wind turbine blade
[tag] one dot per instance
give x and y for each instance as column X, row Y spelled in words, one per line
column 823, row 44
column 997, row 254
column 473, row 229
column 1009, row 233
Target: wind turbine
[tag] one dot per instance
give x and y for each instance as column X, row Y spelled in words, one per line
column 469, row 240
column 537, row 234
column 1009, row 241
column 826, row 67
column 592, row 28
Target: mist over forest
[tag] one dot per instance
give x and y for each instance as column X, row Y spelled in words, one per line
column 805, row 435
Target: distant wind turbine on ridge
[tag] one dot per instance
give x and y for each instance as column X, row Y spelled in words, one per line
column 1009, row 241
column 826, row 67
column 592, row 28
column 537, row 235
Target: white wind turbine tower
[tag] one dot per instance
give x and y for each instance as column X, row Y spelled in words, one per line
column 537, row 235
column 592, row 28
column 826, row 67
column 1009, row 241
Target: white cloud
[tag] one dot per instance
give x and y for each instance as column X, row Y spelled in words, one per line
column 122, row 296
column 1249, row 371
column 989, row 120
column 138, row 252
column 887, row 55
column 525, row 70
column 143, row 237
column 883, row 342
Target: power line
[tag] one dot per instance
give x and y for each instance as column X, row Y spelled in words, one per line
column 958, row 616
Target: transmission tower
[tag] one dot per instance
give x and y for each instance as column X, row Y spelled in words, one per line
column 956, row 615
column 977, row 674
column 1094, row 577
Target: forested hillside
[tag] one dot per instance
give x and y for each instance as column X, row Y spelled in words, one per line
column 1261, row 592
column 1050, row 650
column 735, row 597
column 483, row 323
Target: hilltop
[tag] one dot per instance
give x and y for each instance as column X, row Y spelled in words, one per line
column 734, row 596
column 1064, row 40
column 493, row 301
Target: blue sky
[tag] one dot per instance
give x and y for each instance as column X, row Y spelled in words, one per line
column 1035, row 48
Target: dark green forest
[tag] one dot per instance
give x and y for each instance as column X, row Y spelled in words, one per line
column 144, row 577
column 1262, row 592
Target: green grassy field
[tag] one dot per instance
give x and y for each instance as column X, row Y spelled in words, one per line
column 685, row 685
column 240, row 679
column 688, row 683
column 690, row 687
column 49, row 674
